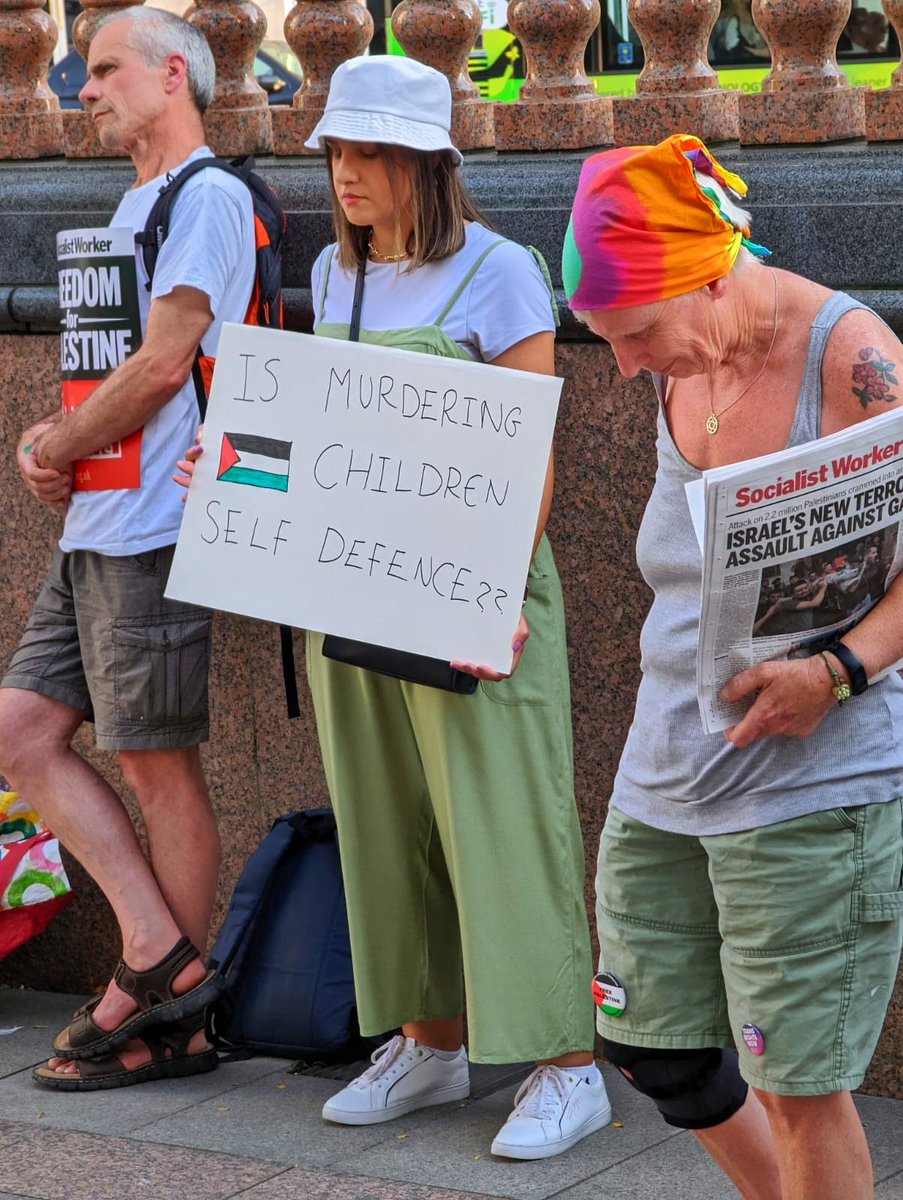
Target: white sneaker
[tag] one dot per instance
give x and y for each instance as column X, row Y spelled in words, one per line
column 404, row 1076
column 553, row 1109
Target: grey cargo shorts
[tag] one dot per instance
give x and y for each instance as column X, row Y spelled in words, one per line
column 103, row 638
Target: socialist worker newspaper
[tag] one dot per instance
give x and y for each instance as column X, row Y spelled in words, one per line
column 798, row 546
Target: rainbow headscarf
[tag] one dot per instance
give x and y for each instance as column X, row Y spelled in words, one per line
column 648, row 224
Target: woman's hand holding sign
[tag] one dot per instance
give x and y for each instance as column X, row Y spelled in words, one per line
column 486, row 673
column 186, row 464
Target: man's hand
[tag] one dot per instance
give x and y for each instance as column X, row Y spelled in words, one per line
column 517, row 645
column 792, row 698
column 51, row 487
column 139, row 387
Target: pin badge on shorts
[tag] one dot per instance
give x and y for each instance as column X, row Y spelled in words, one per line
column 753, row 1039
column 609, row 994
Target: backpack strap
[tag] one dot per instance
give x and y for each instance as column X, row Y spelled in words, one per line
column 250, row 892
column 289, row 672
column 156, row 227
column 456, row 295
column 156, row 231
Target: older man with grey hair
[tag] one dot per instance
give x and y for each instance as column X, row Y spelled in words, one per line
column 103, row 643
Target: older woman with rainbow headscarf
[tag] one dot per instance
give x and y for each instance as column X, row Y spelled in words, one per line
column 738, row 874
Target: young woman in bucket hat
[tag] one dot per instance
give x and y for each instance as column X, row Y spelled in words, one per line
column 460, row 841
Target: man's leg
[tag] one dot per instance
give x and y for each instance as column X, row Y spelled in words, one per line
column 185, row 855
column 182, row 832
column 821, row 1147
column 90, row 820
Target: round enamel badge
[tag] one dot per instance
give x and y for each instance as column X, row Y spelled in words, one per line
column 609, row 994
column 753, row 1039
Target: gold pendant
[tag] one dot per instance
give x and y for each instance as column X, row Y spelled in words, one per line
column 712, row 424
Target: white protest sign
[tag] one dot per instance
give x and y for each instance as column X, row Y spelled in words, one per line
column 372, row 493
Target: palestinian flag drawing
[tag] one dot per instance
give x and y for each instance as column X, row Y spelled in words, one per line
column 254, row 461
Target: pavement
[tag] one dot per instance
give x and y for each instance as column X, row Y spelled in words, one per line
column 252, row 1129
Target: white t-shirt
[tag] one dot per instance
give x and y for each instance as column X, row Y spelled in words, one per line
column 210, row 246
column 506, row 301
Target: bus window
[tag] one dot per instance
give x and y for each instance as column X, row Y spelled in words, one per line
column 868, row 34
column 868, row 49
column 621, row 49
column 735, row 39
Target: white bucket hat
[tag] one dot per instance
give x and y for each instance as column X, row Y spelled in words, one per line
column 389, row 99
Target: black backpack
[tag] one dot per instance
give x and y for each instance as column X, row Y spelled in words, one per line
column 284, row 950
column 265, row 307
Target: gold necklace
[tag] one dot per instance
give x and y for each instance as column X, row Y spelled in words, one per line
column 378, row 256
column 712, row 425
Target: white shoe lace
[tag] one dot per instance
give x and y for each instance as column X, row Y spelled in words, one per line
column 383, row 1059
column 543, row 1094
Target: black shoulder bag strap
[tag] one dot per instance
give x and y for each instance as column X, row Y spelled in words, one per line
column 397, row 664
column 354, row 330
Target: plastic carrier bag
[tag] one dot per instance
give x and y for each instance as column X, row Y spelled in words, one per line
column 33, row 882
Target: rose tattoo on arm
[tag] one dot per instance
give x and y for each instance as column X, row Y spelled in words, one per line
column 875, row 376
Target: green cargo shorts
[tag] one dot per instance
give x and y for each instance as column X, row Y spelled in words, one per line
column 783, row 941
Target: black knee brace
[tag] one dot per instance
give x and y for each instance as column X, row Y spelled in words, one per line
column 692, row 1089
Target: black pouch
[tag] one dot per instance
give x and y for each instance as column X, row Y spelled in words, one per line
column 398, row 664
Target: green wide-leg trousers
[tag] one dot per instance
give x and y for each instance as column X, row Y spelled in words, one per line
column 461, row 847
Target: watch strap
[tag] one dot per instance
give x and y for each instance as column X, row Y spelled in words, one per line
column 856, row 671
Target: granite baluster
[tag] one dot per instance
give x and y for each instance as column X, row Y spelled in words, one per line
column 238, row 120
column 805, row 97
column 30, row 122
column 442, row 33
column 677, row 91
column 323, row 34
column 558, row 108
column 884, row 106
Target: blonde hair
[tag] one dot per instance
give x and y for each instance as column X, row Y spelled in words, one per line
column 439, row 207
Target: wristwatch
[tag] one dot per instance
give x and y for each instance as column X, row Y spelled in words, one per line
column 856, row 671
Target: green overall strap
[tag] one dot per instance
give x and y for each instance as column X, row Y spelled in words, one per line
column 326, row 270
column 465, row 281
column 546, row 274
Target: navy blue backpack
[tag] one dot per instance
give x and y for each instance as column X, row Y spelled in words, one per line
column 284, row 951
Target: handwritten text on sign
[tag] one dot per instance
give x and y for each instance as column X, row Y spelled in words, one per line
column 368, row 492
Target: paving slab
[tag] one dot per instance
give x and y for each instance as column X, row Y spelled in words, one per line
column 890, row 1189
column 434, row 1147
column 301, row 1184
column 674, row 1170
column 54, row 1164
column 125, row 1110
column 252, row 1131
column 883, row 1123
column 29, row 1021
column 278, row 1115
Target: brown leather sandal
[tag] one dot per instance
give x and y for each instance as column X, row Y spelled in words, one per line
column 152, row 992
column 170, row 1059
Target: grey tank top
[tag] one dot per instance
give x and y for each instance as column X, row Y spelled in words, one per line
column 673, row 775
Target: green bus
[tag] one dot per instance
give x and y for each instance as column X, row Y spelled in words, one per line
column 868, row 50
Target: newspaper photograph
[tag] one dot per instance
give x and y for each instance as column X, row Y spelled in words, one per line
column 797, row 547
